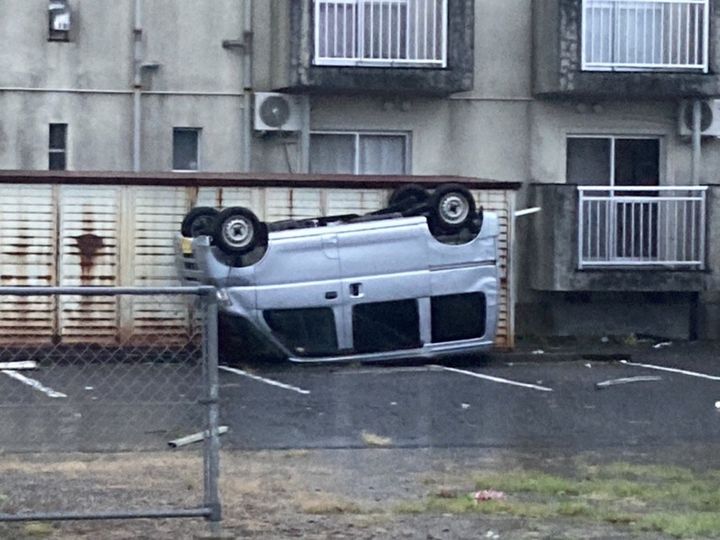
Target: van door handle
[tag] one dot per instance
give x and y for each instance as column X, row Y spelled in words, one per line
column 356, row 289
column 331, row 295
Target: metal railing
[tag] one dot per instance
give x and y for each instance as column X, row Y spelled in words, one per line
column 101, row 413
column 381, row 32
column 645, row 35
column 641, row 226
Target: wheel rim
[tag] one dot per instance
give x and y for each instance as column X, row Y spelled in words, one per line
column 238, row 231
column 454, row 208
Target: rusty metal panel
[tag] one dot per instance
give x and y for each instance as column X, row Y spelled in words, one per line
column 354, row 201
column 156, row 215
column 27, row 258
column 88, row 256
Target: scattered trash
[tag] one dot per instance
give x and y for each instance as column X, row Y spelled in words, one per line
column 605, row 339
column 626, row 380
column 393, row 403
column 538, row 351
column 375, row 440
column 488, row 495
column 89, row 388
column 27, row 364
column 588, row 365
column 717, row 405
column 662, row 344
column 195, row 437
column 465, row 405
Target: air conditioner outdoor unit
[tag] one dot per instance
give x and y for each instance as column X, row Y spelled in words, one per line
column 278, row 112
column 709, row 118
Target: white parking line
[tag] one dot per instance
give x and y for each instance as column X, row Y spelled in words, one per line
column 35, row 384
column 494, row 379
column 673, row 370
column 263, row 379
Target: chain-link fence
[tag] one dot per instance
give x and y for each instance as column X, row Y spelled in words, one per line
column 99, row 390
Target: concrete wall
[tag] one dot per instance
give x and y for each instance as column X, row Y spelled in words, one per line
column 87, row 83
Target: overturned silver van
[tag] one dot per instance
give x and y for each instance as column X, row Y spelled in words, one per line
column 390, row 285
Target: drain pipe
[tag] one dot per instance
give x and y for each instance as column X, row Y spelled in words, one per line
column 247, row 67
column 696, row 143
column 137, row 85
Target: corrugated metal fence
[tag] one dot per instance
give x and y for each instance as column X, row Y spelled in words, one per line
column 122, row 235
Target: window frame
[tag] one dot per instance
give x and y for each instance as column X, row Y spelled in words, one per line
column 58, row 151
column 357, row 134
column 198, row 133
column 613, row 137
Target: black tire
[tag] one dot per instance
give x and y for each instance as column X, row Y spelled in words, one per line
column 452, row 208
column 237, row 231
column 409, row 193
column 198, row 221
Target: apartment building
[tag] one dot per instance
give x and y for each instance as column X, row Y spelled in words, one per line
column 602, row 109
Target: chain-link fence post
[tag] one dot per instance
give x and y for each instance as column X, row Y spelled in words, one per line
column 212, row 442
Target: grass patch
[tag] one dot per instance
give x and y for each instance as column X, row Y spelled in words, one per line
column 666, row 499
column 38, row 530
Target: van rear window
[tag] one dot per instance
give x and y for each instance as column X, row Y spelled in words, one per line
column 458, row 316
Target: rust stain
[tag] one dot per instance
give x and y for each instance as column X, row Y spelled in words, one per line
column 88, row 245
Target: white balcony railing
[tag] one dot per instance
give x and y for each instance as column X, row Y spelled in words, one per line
column 645, row 35
column 641, row 226
column 409, row 33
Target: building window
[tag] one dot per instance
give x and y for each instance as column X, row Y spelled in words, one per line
column 381, row 32
column 186, row 155
column 359, row 153
column 645, row 34
column 58, row 20
column 613, row 161
column 57, row 147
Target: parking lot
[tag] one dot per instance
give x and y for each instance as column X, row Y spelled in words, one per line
column 502, row 403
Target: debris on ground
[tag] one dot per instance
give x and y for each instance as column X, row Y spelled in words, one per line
column 488, row 495
column 371, row 439
column 717, row 405
column 604, row 339
column 627, row 380
column 195, row 437
column 588, row 365
column 538, row 351
column 662, row 344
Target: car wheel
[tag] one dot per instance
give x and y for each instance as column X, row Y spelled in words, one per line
column 409, row 193
column 452, row 208
column 237, row 231
column 198, row 221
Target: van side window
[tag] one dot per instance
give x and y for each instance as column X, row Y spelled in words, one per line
column 386, row 326
column 306, row 332
column 457, row 316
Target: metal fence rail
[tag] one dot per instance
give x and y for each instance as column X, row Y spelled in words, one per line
column 67, row 405
column 645, row 34
column 381, row 32
column 641, row 226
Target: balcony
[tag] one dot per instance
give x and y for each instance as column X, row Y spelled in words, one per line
column 645, row 35
column 656, row 227
column 376, row 47
column 630, row 49
column 603, row 239
column 388, row 33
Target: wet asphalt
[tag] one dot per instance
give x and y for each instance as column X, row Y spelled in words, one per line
column 522, row 402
